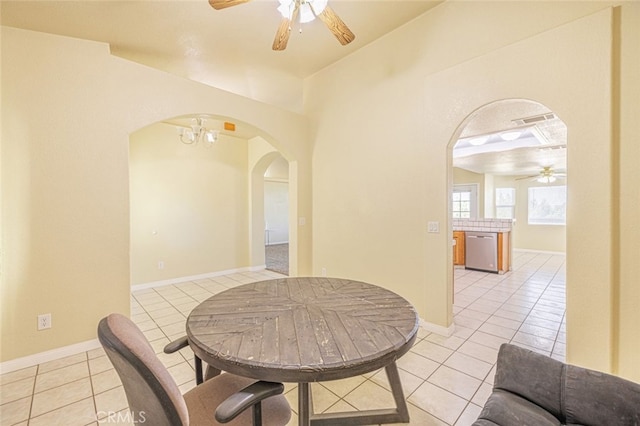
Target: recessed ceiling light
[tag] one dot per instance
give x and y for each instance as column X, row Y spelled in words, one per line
column 510, row 136
column 479, row 140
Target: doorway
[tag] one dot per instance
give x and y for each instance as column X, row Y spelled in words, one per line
column 276, row 216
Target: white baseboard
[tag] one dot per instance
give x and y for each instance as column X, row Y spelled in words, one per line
column 51, row 355
column 538, row 251
column 179, row 280
column 438, row 329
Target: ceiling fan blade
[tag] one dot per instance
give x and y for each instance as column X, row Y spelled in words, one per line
column 336, row 26
column 282, row 35
column 527, row 177
column 222, row 4
column 284, row 30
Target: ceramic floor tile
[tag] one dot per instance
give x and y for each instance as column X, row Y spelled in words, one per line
column 469, row 415
column 14, row 376
column 105, row 380
column 61, row 376
column 432, row 351
column 482, row 394
column 455, row 382
column 182, row 373
column 534, row 341
column 438, row 402
column 109, row 402
column 451, row 342
column 79, row 413
column 409, row 382
column 15, row 411
column 469, row 365
column 417, row 365
column 483, row 353
column 497, row 331
column 322, row 397
column 60, row 396
column 344, row 386
column 14, row 391
column 488, row 340
column 370, row 396
column 98, row 365
column 62, row 362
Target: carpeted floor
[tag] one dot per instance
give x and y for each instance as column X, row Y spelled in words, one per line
column 277, row 258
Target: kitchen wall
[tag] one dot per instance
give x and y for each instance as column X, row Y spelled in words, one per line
column 385, row 120
column 548, row 238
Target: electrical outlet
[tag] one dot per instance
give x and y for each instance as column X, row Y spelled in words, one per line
column 44, row 321
column 324, row 272
column 161, row 264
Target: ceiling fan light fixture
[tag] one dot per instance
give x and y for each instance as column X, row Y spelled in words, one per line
column 546, row 179
column 308, row 9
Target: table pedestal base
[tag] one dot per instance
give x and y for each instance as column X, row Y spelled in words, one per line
column 400, row 414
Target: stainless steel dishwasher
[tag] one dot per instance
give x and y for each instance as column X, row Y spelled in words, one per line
column 481, row 251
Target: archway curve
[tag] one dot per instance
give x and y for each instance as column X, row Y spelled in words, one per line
column 251, row 134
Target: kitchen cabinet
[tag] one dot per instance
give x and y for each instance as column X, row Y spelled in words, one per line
column 458, row 248
column 504, row 250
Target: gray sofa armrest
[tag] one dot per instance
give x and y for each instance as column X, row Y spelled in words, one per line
column 532, row 376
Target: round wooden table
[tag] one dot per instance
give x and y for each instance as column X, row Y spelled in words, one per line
column 307, row 330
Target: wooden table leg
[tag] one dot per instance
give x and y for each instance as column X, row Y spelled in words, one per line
column 398, row 394
column 400, row 414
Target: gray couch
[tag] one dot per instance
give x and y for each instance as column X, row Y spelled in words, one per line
column 534, row 390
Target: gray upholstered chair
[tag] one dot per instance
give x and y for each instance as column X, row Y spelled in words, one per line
column 154, row 397
column 531, row 389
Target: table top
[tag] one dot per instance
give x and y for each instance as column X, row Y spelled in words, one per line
column 302, row 329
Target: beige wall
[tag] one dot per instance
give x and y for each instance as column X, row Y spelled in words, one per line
column 189, row 205
column 384, row 121
column 68, row 108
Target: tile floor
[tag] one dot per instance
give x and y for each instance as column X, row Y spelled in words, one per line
column 446, row 379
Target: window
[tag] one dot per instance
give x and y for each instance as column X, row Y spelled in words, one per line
column 465, row 201
column 547, row 205
column 505, row 203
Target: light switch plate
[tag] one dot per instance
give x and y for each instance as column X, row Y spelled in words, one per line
column 433, row 227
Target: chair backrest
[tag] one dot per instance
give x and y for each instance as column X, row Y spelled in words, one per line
column 153, row 396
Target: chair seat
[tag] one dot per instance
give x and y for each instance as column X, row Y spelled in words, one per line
column 201, row 399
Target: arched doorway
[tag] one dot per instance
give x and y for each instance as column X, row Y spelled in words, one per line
column 513, row 152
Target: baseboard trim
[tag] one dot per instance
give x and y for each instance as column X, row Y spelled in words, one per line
column 51, row 355
column 438, row 329
column 538, row 251
column 179, row 280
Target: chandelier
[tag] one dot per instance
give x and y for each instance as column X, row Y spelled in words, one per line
column 197, row 133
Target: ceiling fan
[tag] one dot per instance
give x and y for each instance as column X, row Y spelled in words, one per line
column 308, row 11
column 546, row 175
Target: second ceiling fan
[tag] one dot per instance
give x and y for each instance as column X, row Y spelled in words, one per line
column 308, row 10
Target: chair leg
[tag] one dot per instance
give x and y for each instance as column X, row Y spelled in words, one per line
column 257, row 414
